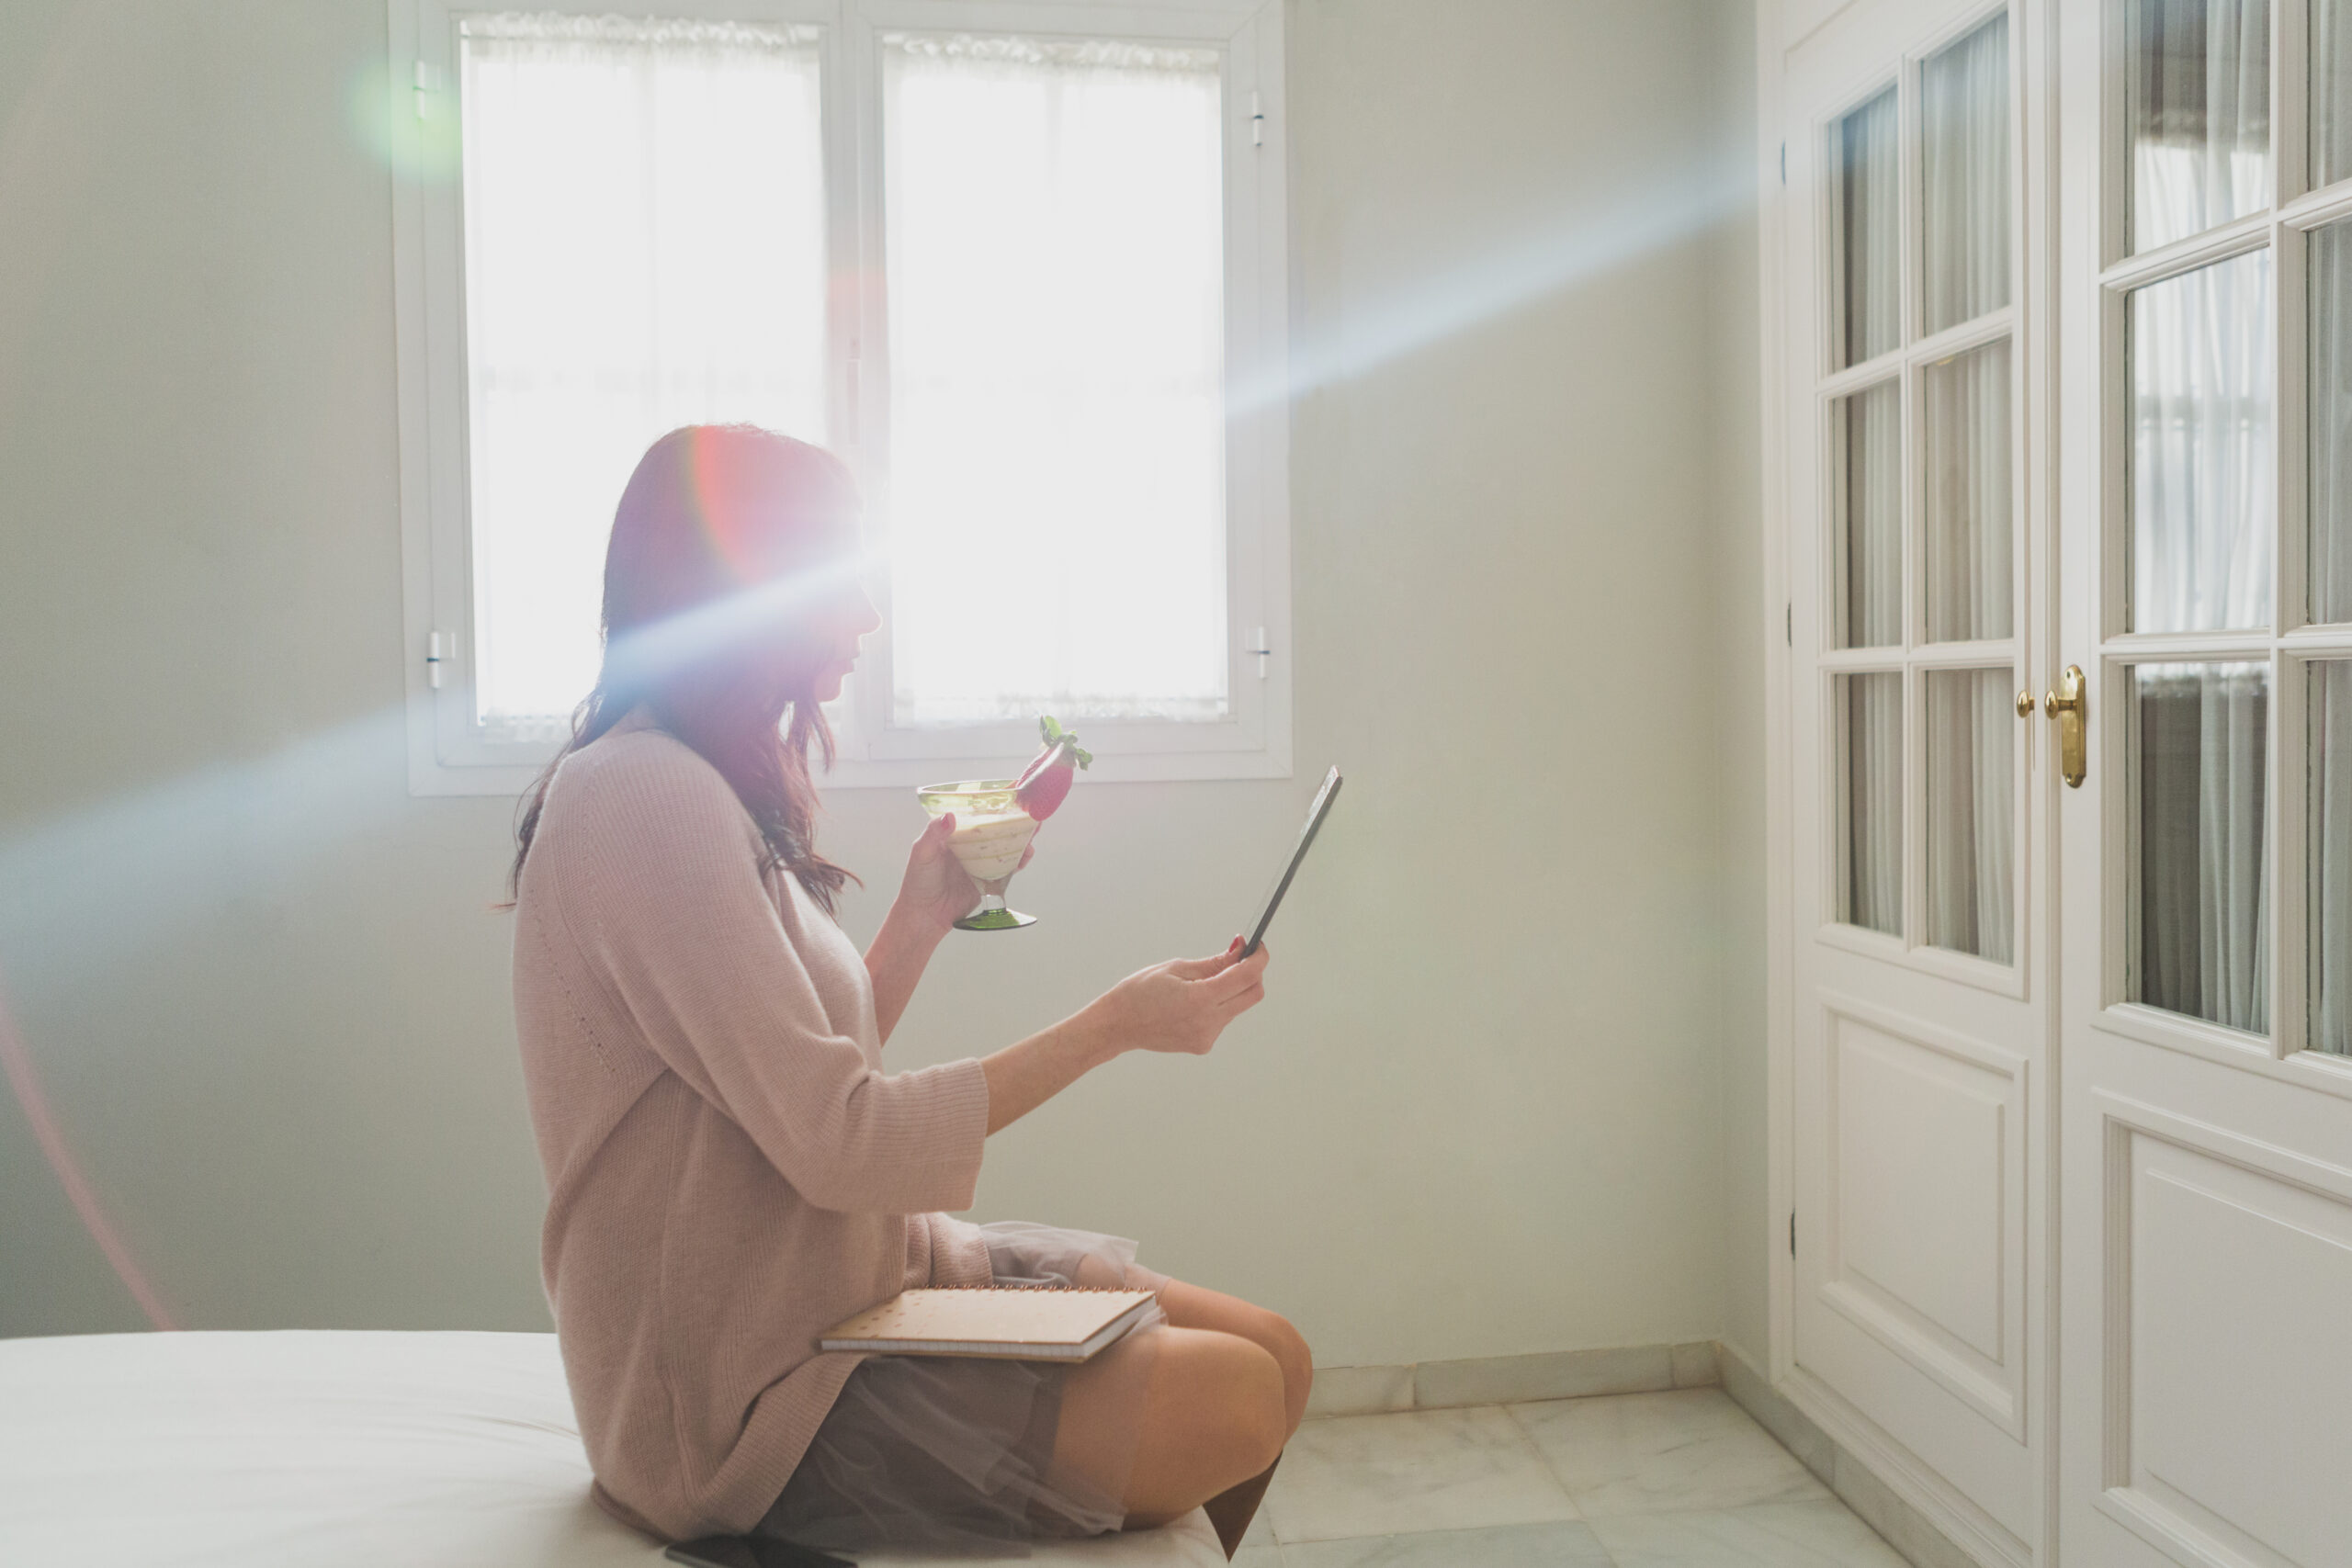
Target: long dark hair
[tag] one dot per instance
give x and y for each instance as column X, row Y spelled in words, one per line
column 716, row 528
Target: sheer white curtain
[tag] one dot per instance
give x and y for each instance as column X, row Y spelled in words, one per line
column 1871, row 880
column 1869, row 613
column 2330, row 391
column 1969, row 495
column 2203, row 500
column 645, row 248
column 1870, row 501
column 1866, row 192
column 2331, row 852
column 1971, row 797
column 1964, row 176
column 1972, row 793
column 1971, row 747
column 2204, row 906
column 2200, row 110
column 2331, row 586
column 1056, row 277
column 2331, row 91
column 2203, row 503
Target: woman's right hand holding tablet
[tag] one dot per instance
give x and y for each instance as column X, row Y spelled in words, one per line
column 1181, row 1005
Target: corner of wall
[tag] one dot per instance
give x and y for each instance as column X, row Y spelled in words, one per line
column 1734, row 420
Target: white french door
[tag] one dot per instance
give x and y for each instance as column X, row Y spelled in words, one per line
column 1917, row 358
column 2206, row 411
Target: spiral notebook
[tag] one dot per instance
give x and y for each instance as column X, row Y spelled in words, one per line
column 1018, row 1323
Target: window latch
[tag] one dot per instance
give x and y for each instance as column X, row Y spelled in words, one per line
column 436, row 654
column 1261, row 651
column 1257, row 137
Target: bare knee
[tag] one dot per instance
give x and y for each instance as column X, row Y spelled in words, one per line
column 1288, row 1347
column 1217, row 1416
column 1256, row 1417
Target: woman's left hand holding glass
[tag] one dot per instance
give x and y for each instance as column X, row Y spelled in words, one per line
column 936, row 892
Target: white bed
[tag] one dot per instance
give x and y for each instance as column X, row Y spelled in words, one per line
column 337, row 1450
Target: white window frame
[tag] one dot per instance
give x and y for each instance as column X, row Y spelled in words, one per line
column 447, row 754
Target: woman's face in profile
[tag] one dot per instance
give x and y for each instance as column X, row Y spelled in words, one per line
column 821, row 630
column 849, row 614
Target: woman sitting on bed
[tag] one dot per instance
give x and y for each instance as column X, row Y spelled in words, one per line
column 730, row 1169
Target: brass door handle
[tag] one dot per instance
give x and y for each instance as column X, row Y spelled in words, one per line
column 2070, row 706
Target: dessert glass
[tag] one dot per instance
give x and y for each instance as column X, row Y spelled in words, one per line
column 991, row 831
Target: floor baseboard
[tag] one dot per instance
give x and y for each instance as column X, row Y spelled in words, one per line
column 1511, row 1379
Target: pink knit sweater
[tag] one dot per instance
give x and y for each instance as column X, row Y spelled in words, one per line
column 729, row 1170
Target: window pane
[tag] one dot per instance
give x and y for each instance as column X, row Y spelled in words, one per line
column 2201, row 887
column 1972, row 751
column 2201, row 115
column 619, row 284
column 1968, row 496
column 2331, row 851
column 1057, row 370
column 2330, row 391
column 1964, row 161
column 1870, row 871
column 1868, row 430
column 2203, row 496
column 1864, row 186
column 2331, row 91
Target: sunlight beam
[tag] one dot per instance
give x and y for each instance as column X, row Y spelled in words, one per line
column 1551, row 260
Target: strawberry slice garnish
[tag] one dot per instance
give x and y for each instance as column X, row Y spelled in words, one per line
column 1045, row 782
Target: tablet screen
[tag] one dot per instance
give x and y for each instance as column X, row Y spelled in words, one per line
column 1315, row 815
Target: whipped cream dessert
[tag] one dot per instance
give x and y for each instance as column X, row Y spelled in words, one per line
column 988, row 843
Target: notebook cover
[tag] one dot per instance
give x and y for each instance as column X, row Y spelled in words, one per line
column 1020, row 1323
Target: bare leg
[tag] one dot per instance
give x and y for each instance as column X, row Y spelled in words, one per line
column 1190, row 1306
column 1213, row 1417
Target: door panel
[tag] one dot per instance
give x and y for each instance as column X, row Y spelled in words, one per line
column 2205, row 877
column 2223, row 1260
column 2207, row 1240
column 1926, row 1210
column 1919, row 928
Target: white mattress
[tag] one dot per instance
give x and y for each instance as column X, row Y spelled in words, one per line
column 350, row 1450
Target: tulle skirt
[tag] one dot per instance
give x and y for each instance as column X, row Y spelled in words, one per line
column 956, row 1455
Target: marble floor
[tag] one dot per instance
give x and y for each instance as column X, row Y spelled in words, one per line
column 1678, row 1480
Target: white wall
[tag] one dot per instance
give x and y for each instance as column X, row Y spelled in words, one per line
column 1745, row 622
column 1484, row 1111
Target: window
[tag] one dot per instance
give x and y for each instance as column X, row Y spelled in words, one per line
column 1024, row 273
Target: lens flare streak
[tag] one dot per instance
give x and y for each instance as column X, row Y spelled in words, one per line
column 26, row 1083
column 1506, row 280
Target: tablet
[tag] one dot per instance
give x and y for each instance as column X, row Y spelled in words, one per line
column 1315, row 815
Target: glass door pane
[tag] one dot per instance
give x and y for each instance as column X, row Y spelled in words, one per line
column 1969, row 495
column 1868, row 429
column 1864, row 172
column 2331, row 91
column 2199, row 111
column 1972, row 752
column 1964, row 169
column 2331, row 857
column 2330, row 259
column 2203, row 500
column 2200, row 895
column 1869, row 881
